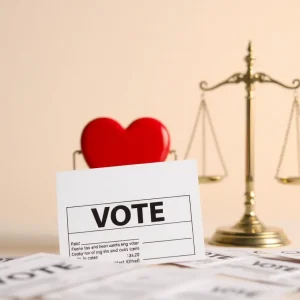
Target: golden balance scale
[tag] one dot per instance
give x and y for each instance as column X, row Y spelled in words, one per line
column 249, row 231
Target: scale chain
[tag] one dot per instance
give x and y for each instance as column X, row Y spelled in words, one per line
column 216, row 141
column 295, row 106
column 203, row 139
column 298, row 133
column 192, row 137
column 194, row 129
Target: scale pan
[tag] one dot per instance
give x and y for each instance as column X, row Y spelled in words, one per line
column 210, row 178
column 289, row 180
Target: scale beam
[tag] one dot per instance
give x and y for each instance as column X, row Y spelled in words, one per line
column 264, row 78
column 249, row 231
column 257, row 77
column 235, row 78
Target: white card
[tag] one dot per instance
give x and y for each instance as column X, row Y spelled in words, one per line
column 146, row 213
column 42, row 273
column 259, row 269
column 140, row 283
column 220, row 289
column 215, row 257
column 270, row 253
column 289, row 253
column 5, row 259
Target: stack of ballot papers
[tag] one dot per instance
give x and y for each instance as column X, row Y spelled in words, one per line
column 225, row 273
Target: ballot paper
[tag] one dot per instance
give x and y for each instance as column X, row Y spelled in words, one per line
column 245, row 251
column 5, row 259
column 215, row 257
column 293, row 281
column 22, row 260
column 142, row 283
column 36, row 275
column 271, row 253
column 52, row 277
column 146, row 213
column 259, row 269
column 289, row 253
column 225, row 289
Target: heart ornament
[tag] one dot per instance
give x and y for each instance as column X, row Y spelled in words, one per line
column 105, row 143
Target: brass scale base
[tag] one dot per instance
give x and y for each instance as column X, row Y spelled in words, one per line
column 248, row 232
column 249, row 235
column 237, row 236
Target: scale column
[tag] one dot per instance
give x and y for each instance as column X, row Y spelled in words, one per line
column 249, row 194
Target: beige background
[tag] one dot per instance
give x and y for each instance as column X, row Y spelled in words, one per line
column 63, row 63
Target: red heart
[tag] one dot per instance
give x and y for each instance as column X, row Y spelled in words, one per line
column 105, row 143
